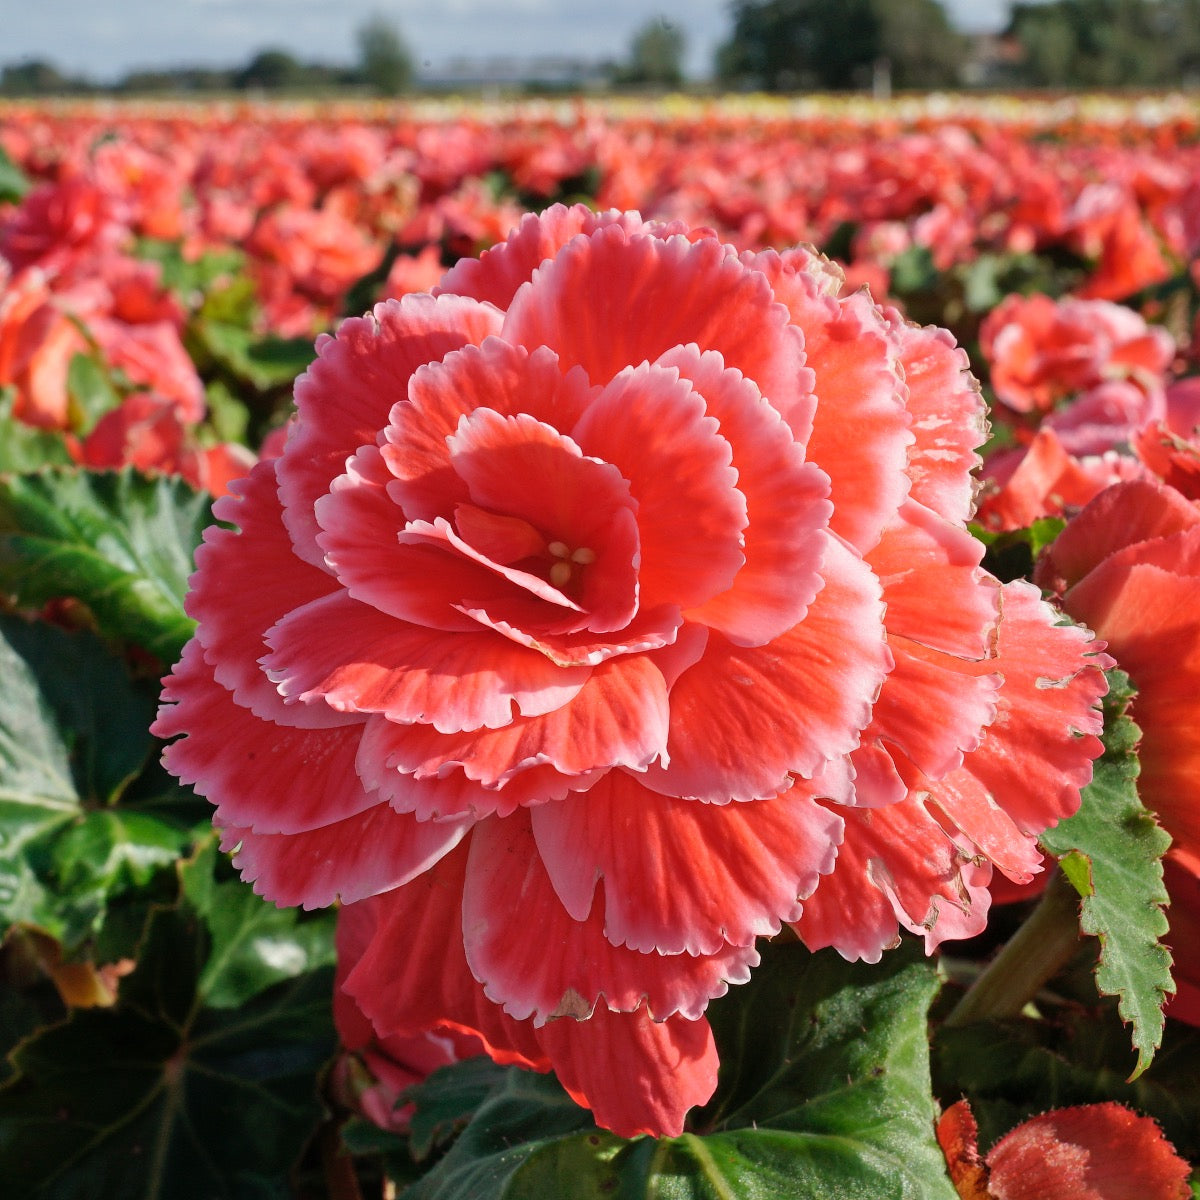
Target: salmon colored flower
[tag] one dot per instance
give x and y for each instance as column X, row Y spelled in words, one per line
column 1042, row 351
column 1092, row 1152
column 591, row 593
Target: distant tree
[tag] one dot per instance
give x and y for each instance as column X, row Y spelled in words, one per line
column 1108, row 43
column 832, row 44
column 37, row 77
column 385, row 61
column 270, row 70
column 655, row 55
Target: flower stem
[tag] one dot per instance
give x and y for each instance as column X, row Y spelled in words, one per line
column 1036, row 952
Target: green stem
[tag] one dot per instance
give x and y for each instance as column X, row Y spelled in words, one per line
column 1037, row 951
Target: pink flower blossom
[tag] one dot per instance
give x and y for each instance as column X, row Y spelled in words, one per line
column 1091, row 1152
column 596, row 598
column 1043, row 351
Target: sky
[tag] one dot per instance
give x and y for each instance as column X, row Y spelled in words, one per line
column 105, row 39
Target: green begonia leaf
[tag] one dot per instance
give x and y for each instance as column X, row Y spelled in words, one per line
column 119, row 541
column 254, row 944
column 164, row 1095
column 24, row 448
column 88, row 818
column 1111, row 850
column 824, row 1091
column 264, row 363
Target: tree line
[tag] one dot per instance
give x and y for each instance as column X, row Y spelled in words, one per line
column 776, row 45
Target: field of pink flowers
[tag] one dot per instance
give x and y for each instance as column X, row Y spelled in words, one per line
column 581, row 649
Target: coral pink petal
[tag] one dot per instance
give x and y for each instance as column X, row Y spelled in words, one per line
column 612, row 300
column 867, row 777
column 1150, row 617
column 234, row 620
column 1037, row 754
column 455, row 794
column 948, row 417
column 511, row 914
column 958, row 1136
column 666, row 863
column 784, row 708
column 896, row 866
column 1120, row 516
column 523, row 468
column 935, row 593
column 421, row 581
column 860, row 436
column 357, row 659
column 275, row 779
column 497, row 273
column 933, row 707
column 652, row 426
column 636, row 1075
column 619, row 718
column 497, row 376
column 786, row 503
column 371, row 852
column 1093, row 1152
column 650, row 630
column 967, row 806
column 414, row 976
column 344, row 398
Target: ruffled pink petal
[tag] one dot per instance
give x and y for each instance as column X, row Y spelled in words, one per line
column 652, row 426
column 414, row 976
column 652, row 629
column 860, row 435
column 363, row 855
column 935, row 593
column 613, row 299
column 933, row 708
column 968, row 806
column 784, row 708
column 272, row 778
column 785, row 501
column 948, row 417
column 667, row 865
column 497, row 273
column 619, row 718
column 233, row 620
column 896, row 866
column 636, row 1075
column 343, row 399
column 497, row 376
column 1149, row 614
column 357, row 659
column 454, row 794
column 420, row 582
column 1120, row 516
column 1037, row 754
column 511, row 914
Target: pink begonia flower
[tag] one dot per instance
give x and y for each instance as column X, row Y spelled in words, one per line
column 1092, row 1152
column 596, row 598
column 1042, row 351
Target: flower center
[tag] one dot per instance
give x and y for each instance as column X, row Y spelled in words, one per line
column 566, row 560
